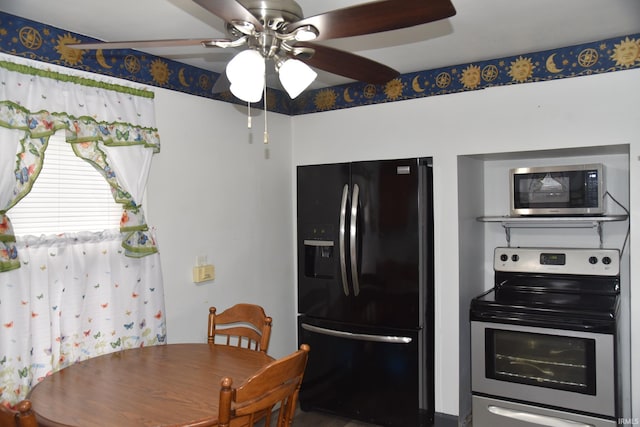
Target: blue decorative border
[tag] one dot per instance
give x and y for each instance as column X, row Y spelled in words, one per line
column 615, row 54
column 33, row 40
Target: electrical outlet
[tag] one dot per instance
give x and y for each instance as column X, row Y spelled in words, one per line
column 203, row 273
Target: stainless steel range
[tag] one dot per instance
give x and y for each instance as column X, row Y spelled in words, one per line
column 544, row 339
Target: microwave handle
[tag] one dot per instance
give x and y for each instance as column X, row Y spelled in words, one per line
column 528, row 417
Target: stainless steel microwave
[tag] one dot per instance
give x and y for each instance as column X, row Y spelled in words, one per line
column 557, row 190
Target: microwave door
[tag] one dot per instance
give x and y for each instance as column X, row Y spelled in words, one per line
column 557, row 190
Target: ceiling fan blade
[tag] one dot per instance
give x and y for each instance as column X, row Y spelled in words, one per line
column 347, row 64
column 230, row 10
column 133, row 44
column 375, row 17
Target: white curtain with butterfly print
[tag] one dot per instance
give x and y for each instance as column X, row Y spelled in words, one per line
column 109, row 125
column 67, row 298
column 76, row 296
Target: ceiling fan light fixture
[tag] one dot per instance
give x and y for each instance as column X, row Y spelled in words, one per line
column 246, row 73
column 248, row 92
column 244, row 27
column 305, row 33
column 302, row 52
column 295, row 76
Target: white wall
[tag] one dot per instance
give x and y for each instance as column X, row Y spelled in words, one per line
column 587, row 111
column 471, row 194
column 215, row 189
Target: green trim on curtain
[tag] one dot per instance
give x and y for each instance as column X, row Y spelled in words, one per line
column 8, row 252
column 113, row 134
column 37, row 127
column 25, row 69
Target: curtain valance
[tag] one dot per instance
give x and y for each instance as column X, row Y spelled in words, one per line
column 110, row 126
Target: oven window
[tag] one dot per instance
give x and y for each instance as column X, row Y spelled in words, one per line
column 551, row 361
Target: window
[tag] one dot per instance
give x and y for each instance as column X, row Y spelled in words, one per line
column 69, row 195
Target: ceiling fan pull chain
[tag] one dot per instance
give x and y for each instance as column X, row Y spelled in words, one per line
column 249, row 115
column 264, row 96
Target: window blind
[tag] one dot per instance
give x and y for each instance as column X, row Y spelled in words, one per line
column 68, row 196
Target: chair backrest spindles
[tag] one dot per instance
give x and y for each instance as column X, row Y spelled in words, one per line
column 243, row 325
column 274, row 388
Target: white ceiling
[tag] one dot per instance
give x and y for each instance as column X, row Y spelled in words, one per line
column 481, row 29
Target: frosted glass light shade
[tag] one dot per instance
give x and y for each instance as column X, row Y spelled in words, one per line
column 247, row 92
column 246, row 75
column 306, row 33
column 296, row 76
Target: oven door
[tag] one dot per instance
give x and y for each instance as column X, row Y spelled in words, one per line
column 553, row 367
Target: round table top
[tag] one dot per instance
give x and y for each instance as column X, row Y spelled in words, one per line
column 165, row 385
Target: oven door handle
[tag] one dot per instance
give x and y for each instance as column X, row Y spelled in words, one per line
column 543, row 420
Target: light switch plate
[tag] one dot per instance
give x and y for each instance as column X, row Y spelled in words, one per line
column 203, row 273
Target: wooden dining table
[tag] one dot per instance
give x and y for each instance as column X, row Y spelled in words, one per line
column 164, row 385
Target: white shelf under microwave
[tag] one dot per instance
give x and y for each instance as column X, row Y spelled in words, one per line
column 595, row 222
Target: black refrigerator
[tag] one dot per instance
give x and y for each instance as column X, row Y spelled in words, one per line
column 365, row 289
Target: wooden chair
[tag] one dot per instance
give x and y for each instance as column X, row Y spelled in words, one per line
column 273, row 389
column 23, row 416
column 243, row 325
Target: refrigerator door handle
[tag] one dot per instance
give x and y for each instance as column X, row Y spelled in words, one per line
column 343, row 219
column 389, row 339
column 353, row 241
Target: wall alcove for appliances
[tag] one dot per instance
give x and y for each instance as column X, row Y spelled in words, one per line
column 484, row 224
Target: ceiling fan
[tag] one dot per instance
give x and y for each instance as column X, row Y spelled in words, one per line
column 277, row 30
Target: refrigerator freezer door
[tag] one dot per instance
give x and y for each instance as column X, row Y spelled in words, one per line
column 365, row 374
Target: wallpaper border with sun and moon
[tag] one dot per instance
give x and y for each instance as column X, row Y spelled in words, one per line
column 40, row 42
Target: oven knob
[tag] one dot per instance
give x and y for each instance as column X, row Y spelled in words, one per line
column 593, row 260
column 606, row 260
column 504, row 257
column 515, row 258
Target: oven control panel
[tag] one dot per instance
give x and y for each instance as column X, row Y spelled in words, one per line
column 597, row 262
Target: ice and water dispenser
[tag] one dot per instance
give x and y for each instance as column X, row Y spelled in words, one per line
column 319, row 251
